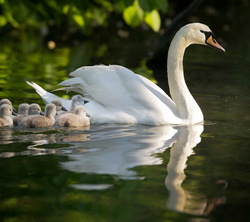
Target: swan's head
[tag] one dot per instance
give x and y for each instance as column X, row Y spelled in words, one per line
column 197, row 33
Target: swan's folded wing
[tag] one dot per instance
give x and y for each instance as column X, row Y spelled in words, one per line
column 100, row 83
column 119, row 90
column 75, row 84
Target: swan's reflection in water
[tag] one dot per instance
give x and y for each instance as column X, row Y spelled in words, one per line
column 186, row 139
column 115, row 150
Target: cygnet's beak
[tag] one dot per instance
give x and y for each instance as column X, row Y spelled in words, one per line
column 64, row 109
column 87, row 115
column 42, row 113
column 85, row 101
column 14, row 112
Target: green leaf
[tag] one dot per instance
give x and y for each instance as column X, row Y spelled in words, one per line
column 147, row 5
column 133, row 15
column 3, row 21
column 153, row 19
column 79, row 20
column 162, row 5
column 66, row 9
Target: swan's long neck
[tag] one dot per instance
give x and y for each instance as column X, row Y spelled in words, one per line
column 188, row 110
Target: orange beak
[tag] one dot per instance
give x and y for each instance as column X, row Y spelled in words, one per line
column 212, row 42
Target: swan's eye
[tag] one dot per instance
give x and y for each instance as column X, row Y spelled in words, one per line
column 208, row 34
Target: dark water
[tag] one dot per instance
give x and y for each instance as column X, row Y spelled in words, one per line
column 129, row 173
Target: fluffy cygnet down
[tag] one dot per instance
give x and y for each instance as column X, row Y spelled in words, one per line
column 7, row 101
column 5, row 115
column 77, row 100
column 77, row 119
column 34, row 109
column 37, row 121
column 22, row 112
column 59, row 106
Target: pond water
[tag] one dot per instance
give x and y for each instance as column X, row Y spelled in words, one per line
column 127, row 172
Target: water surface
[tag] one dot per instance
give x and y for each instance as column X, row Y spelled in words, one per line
column 127, row 172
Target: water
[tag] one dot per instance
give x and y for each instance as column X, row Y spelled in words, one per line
column 127, row 172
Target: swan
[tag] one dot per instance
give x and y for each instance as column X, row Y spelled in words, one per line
column 118, row 95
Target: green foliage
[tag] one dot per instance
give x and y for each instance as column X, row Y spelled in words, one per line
column 30, row 15
column 145, row 10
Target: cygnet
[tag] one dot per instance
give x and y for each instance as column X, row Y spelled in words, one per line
column 35, row 109
column 5, row 115
column 59, row 106
column 37, row 121
column 77, row 119
column 22, row 112
column 76, row 101
column 7, row 101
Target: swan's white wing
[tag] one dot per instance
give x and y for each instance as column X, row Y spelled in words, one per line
column 122, row 94
column 146, row 87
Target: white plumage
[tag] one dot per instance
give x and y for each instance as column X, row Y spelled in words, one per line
column 118, row 95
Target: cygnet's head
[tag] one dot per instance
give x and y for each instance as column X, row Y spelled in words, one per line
column 197, row 33
column 34, row 109
column 79, row 100
column 23, row 109
column 59, row 106
column 5, row 110
column 80, row 110
column 5, row 101
column 50, row 109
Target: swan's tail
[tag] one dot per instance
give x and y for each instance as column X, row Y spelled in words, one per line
column 46, row 96
column 38, row 88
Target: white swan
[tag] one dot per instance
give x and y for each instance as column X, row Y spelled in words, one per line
column 118, row 95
